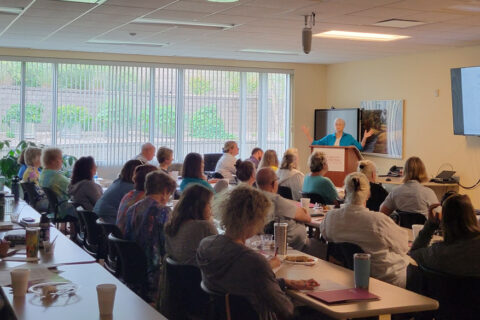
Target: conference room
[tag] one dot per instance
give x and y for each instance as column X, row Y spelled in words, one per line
column 176, row 109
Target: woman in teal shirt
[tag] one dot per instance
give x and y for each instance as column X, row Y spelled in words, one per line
column 315, row 182
column 339, row 138
column 192, row 171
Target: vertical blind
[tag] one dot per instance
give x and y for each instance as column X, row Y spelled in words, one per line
column 108, row 111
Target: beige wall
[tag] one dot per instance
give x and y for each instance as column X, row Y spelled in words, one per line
column 308, row 84
column 428, row 128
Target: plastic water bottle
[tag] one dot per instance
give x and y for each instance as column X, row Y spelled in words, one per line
column 95, row 177
column 16, row 188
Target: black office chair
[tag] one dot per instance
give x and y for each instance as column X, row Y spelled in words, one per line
column 106, row 250
column 133, row 264
column 210, row 161
column 53, row 208
column 314, row 198
column 342, row 252
column 30, row 192
column 407, row 219
column 92, row 231
column 458, row 296
column 225, row 306
column 184, row 297
column 285, row 192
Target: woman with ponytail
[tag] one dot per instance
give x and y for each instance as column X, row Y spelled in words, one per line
column 372, row 231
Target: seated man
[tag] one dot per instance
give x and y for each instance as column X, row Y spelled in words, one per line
column 147, row 153
column 284, row 210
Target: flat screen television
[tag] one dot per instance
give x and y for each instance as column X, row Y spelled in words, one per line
column 325, row 118
column 466, row 101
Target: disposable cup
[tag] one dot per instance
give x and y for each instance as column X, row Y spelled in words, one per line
column 106, row 298
column 416, row 228
column 19, row 281
column 305, row 202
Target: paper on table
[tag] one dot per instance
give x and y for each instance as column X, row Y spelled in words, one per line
column 37, row 274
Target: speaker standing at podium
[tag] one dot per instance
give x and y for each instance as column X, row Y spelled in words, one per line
column 339, row 138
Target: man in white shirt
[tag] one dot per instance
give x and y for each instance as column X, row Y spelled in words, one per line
column 147, row 153
column 374, row 232
column 284, row 210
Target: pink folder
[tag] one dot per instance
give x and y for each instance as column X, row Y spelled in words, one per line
column 343, row 295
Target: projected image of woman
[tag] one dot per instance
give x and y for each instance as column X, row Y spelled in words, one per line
column 339, row 138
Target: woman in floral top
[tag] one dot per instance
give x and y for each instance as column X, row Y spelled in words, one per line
column 135, row 195
column 145, row 221
column 32, row 173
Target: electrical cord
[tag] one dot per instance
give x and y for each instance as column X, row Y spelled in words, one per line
column 469, row 188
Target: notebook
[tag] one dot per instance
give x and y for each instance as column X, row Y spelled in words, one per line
column 343, row 295
column 6, row 225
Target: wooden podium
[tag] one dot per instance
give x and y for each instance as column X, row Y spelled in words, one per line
column 341, row 161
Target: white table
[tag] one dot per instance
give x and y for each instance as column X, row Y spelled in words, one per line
column 393, row 299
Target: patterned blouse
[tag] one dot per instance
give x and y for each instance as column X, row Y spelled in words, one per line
column 144, row 225
column 128, row 200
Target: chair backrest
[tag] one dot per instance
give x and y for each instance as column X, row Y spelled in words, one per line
column 459, row 297
column 210, row 160
column 406, row 219
column 107, row 251
column 343, row 252
column 217, row 175
column 132, row 260
column 225, row 306
column 92, row 230
column 285, row 192
column 184, row 294
column 52, row 201
column 314, row 198
column 30, row 193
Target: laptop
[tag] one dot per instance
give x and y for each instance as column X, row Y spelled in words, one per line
column 444, row 176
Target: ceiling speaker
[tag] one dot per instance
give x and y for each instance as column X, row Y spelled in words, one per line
column 307, row 39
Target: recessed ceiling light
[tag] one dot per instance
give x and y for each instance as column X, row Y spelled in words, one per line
column 130, row 43
column 86, row 1
column 195, row 24
column 225, row 1
column 269, row 51
column 11, row 10
column 359, row 35
column 398, row 23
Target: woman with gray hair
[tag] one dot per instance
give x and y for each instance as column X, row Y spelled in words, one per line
column 289, row 175
column 228, row 266
column 226, row 164
column 377, row 191
column 372, row 231
column 316, row 182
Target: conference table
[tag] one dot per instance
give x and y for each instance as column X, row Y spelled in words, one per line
column 392, row 300
column 70, row 263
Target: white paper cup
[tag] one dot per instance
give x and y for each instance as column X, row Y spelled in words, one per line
column 106, row 298
column 416, row 229
column 48, row 247
column 20, row 281
column 305, row 203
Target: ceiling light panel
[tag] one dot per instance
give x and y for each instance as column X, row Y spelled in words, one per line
column 85, row 1
column 365, row 36
column 10, row 10
column 179, row 23
column 398, row 23
column 265, row 51
column 129, row 43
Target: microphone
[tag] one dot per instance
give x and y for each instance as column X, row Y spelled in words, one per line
column 307, row 39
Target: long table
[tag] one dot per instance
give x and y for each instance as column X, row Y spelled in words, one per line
column 392, row 300
column 75, row 265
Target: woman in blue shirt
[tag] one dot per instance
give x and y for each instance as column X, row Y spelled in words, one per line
column 339, row 138
column 315, row 182
column 192, row 171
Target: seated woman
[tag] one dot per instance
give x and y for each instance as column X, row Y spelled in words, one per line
column 107, row 206
column 269, row 159
column 192, row 171
column 137, row 194
column 377, row 192
column 32, row 173
column 52, row 178
column 459, row 253
column 289, row 175
column 164, row 158
column 228, row 266
column 82, row 189
column 315, row 182
column 226, row 164
column 23, row 165
column 191, row 222
column 412, row 196
column 145, row 222
column 246, row 172
column 372, row 231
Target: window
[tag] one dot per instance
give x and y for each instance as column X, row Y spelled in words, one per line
column 108, row 111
